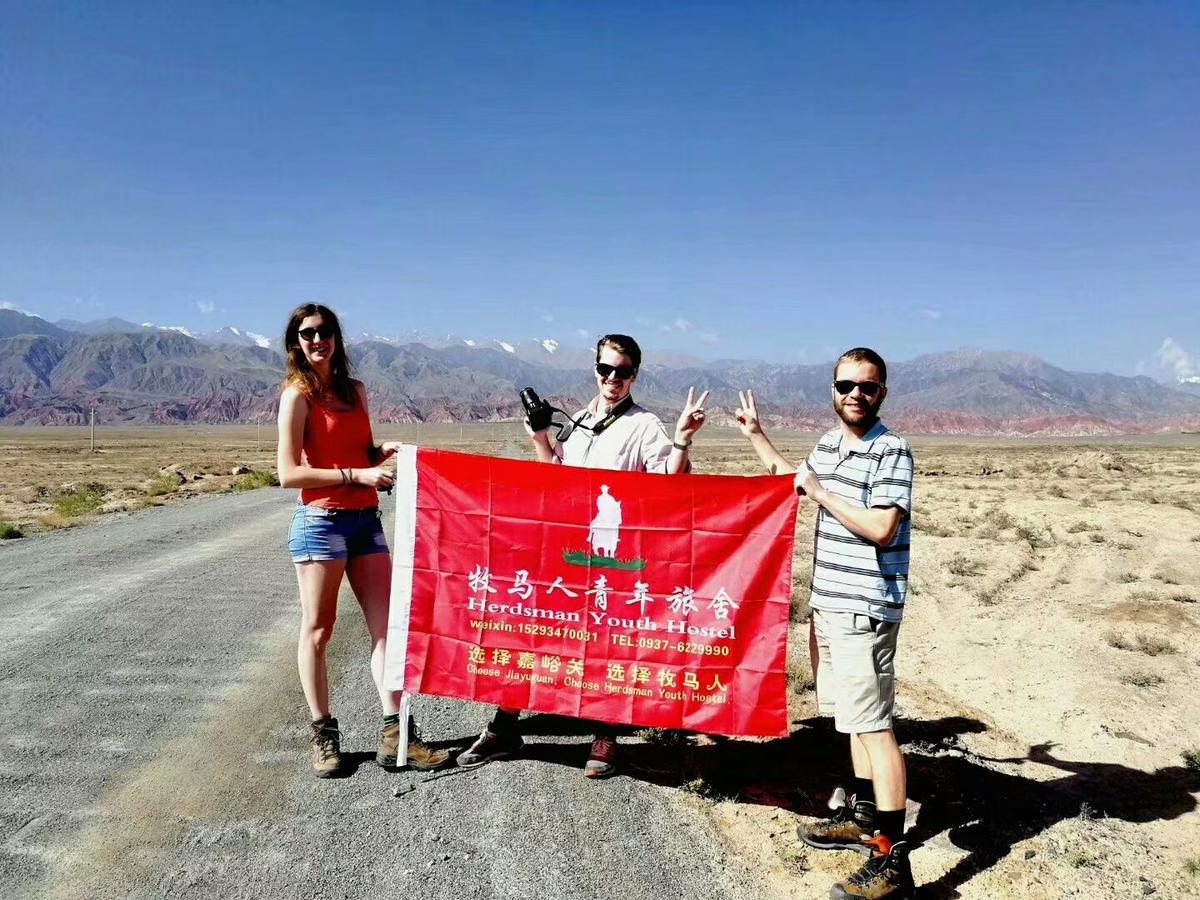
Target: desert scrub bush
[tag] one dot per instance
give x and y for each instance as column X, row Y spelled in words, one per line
column 927, row 525
column 1143, row 595
column 1034, row 535
column 79, row 502
column 161, row 484
column 1192, row 866
column 1096, row 538
column 1141, row 679
column 1127, row 578
column 668, row 738
column 1087, row 502
column 1196, row 538
column 1191, row 760
column 1002, row 519
column 1056, row 491
column 1080, row 858
column 1181, row 597
column 255, row 480
column 963, row 566
column 1079, row 527
column 1165, row 578
column 9, row 531
column 1151, row 646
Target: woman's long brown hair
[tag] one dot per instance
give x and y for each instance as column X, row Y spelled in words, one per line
column 301, row 374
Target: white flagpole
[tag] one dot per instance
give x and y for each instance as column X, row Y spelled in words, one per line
column 403, row 550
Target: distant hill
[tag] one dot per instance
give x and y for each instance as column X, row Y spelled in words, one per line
column 50, row 374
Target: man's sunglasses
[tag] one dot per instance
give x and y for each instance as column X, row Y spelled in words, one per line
column 868, row 388
column 316, row 334
column 622, row 372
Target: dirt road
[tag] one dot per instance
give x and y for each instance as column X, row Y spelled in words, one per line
column 153, row 744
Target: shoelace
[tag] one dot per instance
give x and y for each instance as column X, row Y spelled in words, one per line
column 327, row 740
column 869, row 870
column 603, row 747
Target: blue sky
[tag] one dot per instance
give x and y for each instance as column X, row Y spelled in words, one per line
column 762, row 180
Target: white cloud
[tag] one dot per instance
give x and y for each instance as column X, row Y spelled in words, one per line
column 1181, row 363
column 206, row 307
column 684, row 326
column 8, row 304
column 933, row 314
column 583, row 333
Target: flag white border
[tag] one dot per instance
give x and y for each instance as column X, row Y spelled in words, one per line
column 403, row 549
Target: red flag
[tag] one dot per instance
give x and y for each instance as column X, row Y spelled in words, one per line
column 654, row 600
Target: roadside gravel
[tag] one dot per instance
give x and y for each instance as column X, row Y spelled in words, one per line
column 154, row 744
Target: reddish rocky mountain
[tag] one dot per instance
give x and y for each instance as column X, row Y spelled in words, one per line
column 143, row 374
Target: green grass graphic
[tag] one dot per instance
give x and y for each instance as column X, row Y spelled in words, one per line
column 583, row 558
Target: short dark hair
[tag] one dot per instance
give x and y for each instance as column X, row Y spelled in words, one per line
column 622, row 343
column 866, row 355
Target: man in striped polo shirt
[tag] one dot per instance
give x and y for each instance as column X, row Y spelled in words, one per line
column 860, row 476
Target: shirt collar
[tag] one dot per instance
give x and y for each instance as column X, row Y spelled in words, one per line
column 863, row 444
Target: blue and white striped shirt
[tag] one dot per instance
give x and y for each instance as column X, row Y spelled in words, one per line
column 851, row 574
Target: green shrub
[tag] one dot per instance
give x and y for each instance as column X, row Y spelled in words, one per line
column 161, row 484
column 9, row 531
column 256, row 480
column 79, row 502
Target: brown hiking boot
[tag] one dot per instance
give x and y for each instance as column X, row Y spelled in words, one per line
column 886, row 874
column 849, row 827
column 420, row 756
column 326, row 747
column 602, row 761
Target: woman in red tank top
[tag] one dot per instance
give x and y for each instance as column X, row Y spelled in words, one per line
column 327, row 450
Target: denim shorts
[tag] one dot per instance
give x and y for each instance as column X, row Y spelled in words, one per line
column 323, row 534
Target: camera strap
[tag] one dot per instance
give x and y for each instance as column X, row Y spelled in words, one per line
column 613, row 414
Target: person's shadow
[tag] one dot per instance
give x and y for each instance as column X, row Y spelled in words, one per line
column 985, row 811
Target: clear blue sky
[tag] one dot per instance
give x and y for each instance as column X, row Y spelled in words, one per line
column 787, row 179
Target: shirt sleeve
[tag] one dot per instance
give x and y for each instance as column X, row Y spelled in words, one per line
column 893, row 481
column 656, row 446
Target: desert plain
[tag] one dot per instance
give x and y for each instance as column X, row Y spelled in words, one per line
column 1047, row 662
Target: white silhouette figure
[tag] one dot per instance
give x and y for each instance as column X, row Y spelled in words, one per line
column 606, row 527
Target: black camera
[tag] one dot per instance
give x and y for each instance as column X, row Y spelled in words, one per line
column 538, row 412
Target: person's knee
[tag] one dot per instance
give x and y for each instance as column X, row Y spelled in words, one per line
column 316, row 634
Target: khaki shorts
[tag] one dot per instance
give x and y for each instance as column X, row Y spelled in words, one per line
column 856, row 678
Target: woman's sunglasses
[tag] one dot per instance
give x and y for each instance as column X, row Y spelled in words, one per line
column 868, row 388
column 316, row 334
column 622, row 372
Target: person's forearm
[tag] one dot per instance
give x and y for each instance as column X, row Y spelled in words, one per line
column 296, row 476
column 678, row 461
column 878, row 526
column 541, row 447
column 771, row 458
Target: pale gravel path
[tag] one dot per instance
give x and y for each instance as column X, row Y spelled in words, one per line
column 152, row 745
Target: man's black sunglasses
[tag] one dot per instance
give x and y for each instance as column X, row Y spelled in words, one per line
column 316, row 334
column 868, row 388
column 622, row 372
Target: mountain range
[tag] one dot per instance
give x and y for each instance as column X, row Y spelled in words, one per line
column 55, row 373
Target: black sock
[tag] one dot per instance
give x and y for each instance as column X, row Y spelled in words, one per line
column 503, row 722
column 391, row 719
column 864, row 789
column 890, row 823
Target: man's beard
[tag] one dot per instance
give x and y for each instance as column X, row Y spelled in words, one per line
column 870, row 415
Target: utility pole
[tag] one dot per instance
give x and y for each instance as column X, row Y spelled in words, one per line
column 93, row 426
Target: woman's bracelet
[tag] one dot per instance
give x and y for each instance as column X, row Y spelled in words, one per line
column 342, row 472
column 679, row 446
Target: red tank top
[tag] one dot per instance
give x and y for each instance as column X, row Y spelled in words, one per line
column 337, row 439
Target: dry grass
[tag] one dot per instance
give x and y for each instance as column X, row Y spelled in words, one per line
column 1150, row 646
column 1142, row 679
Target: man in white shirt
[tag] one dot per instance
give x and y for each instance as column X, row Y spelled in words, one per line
column 612, row 432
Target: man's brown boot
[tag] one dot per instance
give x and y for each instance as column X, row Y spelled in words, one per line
column 326, row 747
column 848, row 828
column 886, row 874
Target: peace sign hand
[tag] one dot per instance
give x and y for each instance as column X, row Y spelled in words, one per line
column 747, row 414
column 692, row 417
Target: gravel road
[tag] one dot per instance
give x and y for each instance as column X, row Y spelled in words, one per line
column 153, row 744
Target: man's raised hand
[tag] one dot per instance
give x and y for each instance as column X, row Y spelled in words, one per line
column 692, row 417
column 747, row 414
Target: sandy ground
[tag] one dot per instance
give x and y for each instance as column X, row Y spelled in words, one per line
column 1046, row 663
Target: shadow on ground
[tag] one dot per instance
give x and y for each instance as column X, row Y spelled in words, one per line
column 985, row 811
